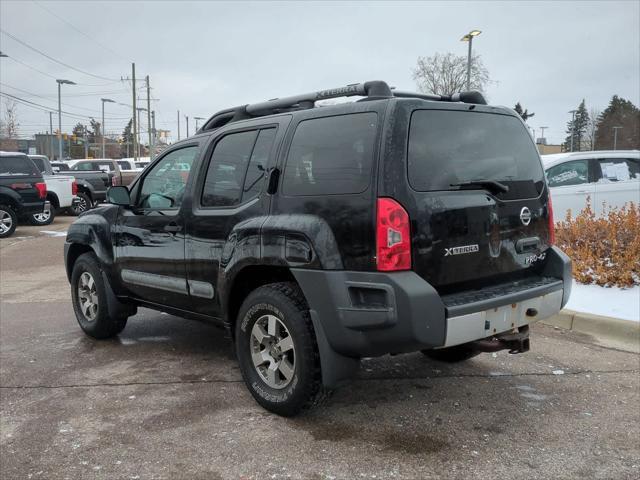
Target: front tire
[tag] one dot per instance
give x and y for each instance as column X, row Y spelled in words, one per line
column 8, row 221
column 89, row 296
column 277, row 349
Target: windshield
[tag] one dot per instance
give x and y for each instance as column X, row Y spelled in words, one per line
column 447, row 148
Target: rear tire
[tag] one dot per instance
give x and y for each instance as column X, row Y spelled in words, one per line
column 89, row 296
column 84, row 205
column 8, row 221
column 43, row 218
column 455, row 354
column 277, row 350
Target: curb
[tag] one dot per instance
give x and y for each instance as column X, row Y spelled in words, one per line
column 615, row 332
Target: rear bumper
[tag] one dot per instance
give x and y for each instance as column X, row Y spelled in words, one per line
column 30, row 208
column 374, row 313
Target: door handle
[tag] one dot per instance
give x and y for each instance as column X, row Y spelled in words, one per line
column 172, row 227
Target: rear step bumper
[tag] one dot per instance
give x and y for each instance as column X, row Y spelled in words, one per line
column 358, row 314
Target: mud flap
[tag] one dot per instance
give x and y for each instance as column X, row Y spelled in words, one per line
column 116, row 308
column 336, row 368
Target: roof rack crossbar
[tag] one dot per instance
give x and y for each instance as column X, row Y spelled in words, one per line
column 472, row 96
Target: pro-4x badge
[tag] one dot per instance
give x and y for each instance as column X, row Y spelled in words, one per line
column 461, row 250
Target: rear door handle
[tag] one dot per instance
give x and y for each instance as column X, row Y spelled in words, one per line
column 172, row 227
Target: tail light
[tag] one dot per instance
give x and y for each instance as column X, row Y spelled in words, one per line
column 74, row 188
column 393, row 242
column 115, row 181
column 552, row 226
column 42, row 189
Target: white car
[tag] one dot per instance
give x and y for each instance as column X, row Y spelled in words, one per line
column 61, row 191
column 609, row 178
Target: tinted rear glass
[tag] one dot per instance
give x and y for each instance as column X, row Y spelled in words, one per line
column 331, row 155
column 18, row 166
column 450, row 147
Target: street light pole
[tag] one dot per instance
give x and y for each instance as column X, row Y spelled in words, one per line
column 140, row 109
column 469, row 38
column 615, row 137
column 187, row 117
column 60, row 82
column 51, row 134
column 573, row 126
column 104, row 100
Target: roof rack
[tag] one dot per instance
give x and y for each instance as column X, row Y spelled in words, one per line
column 373, row 90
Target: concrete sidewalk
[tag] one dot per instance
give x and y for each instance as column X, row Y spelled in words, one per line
column 607, row 331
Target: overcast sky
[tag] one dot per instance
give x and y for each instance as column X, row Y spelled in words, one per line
column 205, row 56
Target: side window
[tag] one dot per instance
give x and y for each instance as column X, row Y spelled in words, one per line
column 82, row 166
column 163, row 187
column 331, row 155
column 124, row 165
column 618, row 170
column 258, row 163
column 575, row 172
column 105, row 167
column 39, row 163
column 224, row 182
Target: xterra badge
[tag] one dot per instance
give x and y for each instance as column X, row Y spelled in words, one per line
column 461, row 250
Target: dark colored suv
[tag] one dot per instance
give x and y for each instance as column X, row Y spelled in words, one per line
column 319, row 235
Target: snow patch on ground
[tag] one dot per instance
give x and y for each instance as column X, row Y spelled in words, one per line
column 609, row 302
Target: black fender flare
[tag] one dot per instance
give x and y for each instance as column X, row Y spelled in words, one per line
column 7, row 195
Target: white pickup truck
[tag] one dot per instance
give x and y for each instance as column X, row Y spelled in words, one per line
column 61, row 191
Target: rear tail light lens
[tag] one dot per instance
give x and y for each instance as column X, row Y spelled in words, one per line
column 393, row 242
column 115, row 181
column 42, row 189
column 552, row 226
column 74, row 188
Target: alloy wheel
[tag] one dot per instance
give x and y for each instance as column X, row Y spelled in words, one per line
column 272, row 351
column 6, row 221
column 88, row 296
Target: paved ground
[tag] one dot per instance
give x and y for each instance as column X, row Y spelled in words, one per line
column 165, row 400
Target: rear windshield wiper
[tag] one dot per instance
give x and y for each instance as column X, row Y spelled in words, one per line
column 491, row 185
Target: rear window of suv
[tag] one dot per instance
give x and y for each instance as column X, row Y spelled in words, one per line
column 18, row 166
column 450, row 147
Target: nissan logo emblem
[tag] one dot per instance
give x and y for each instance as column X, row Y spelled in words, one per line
column 525, row 216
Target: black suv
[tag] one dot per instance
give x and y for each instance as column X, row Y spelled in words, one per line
column 23, row 191
column 319, row 235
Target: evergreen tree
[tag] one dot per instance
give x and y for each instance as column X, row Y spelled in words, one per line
column 619, row 113
column 577, row 128
column 523, row 113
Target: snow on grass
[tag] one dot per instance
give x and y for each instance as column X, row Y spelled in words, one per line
column 610, row 302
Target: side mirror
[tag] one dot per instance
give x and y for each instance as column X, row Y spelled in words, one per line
column 119, row 196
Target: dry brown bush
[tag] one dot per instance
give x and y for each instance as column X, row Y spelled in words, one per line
column 605, row 250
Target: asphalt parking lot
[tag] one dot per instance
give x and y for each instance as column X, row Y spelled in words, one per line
column 165, row 400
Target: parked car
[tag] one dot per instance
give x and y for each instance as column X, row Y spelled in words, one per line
column 92, row 185
column 62, row 191
column 318, row 236
column 608, row 178
column 120, row 177
column 23, row 191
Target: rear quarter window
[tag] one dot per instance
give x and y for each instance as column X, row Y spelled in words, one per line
column 450, row 147
column 331, row 155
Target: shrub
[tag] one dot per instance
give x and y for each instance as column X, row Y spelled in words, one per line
column 604, row 250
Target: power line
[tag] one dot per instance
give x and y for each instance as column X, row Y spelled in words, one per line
column 11, row 57
column 49, row 109
column 65, row 104
column 80, row 31
column 53, row 59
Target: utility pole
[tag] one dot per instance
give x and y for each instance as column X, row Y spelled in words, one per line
column 187, row 117
column 615, row 137
column 85, row 140
column 178, row 124
column 51, row 134
column 140, row 109
column 104, row 100
column 573, row 126
column 135, row 124
column 153, row 137
column 149, row 113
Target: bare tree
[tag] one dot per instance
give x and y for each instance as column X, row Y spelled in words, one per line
column 11, row 123
column 445, row 74
column 592, row 127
